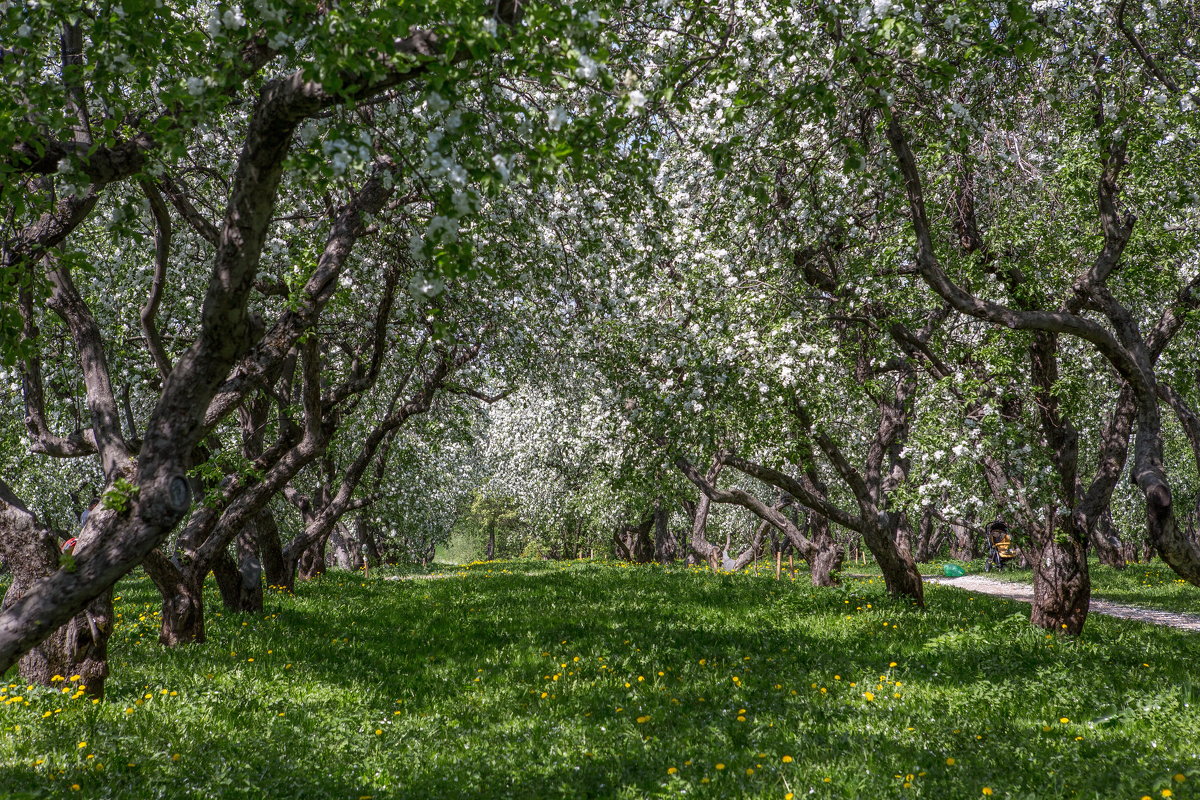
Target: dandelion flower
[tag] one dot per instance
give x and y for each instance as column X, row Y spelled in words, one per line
column 987, row 790
column 950, row 762
column 671, row 770
column 786, row 759
column 720, row 765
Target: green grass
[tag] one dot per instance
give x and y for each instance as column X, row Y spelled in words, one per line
column 595, row 680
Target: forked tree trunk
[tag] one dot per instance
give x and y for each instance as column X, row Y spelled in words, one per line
column 1061, row 585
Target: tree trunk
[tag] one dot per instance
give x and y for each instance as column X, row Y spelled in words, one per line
column 633, row 542
column 1109, row 547
column 489, row 552
column 665, row 546
column 929, row 540
column 895, row 560
column 962, row 542
column 30, row 552
column 240, row 582
column 312, row 561
column 275, row 570
column 183, row 616
column 826, row 560
column 366, row 538
column 346, row 550
column 1061, row 585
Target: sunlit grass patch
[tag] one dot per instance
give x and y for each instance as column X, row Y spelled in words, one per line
column 587, row 679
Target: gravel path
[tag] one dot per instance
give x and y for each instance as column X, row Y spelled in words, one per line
column 1024, row 593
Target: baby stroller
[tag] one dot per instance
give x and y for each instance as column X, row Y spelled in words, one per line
column 1001, row 550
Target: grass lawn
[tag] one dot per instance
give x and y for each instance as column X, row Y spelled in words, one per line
column 594, row 680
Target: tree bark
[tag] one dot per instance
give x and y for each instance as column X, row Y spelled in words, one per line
column 183, row 601
column 962, row 541
column 1061, row 584
column 1109, row 548
column 825, row 561
column 665, row 546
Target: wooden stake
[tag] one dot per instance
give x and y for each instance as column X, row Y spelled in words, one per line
column 778, row 563
column 791, row 566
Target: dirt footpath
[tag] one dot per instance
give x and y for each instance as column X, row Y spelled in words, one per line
column 1024, row 593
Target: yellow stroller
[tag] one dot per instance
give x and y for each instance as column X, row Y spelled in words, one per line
column 1001, row 550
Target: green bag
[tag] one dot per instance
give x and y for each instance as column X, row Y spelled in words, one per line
column 953, row 571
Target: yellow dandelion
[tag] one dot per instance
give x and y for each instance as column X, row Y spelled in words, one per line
column 749, row 771
column 720, row 765
column 950, row 762
column 644, row 719
column 869, row 695
column 1180, row 777
column 1063, row 720
column 787, row 759
column 671, row 770
column 987, row 790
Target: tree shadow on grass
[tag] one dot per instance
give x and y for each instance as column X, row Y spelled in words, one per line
column 493, row 702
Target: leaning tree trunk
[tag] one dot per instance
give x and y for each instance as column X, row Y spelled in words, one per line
column 892, row 554
column 1061, row 584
